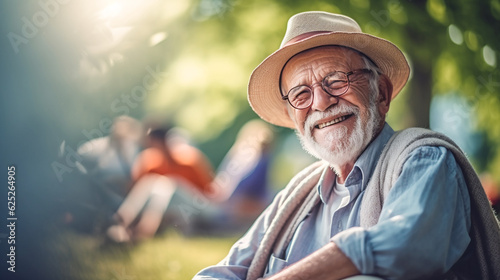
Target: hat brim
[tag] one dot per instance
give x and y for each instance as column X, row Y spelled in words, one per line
column 263, row 88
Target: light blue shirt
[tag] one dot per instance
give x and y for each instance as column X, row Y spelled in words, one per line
column 422, row 230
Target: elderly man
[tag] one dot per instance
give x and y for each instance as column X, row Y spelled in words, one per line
column 404, row 205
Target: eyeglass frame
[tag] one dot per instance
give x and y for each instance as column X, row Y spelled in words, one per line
column 356, row 71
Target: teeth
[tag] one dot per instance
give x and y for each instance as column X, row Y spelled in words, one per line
column 337, row 120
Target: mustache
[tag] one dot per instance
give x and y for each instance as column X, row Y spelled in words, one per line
column 339, row 109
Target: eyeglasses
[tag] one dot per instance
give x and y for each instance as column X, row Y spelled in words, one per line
column 335, row 84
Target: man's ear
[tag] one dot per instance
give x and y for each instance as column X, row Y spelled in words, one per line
column 385, row 94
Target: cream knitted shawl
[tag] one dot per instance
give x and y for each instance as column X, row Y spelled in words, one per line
column 300, row 196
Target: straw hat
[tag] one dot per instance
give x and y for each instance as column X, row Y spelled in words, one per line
column 312, row 29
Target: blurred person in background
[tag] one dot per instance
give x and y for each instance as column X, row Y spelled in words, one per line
column 378, row 204
column 492, row 190
column 176, row 185
column 242, row 180
column 168, row 165
column 109, row 159
column 105, row 169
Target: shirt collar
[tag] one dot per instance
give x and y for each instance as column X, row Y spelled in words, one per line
column 326, row 183
column 363, row 167
column 368, row 160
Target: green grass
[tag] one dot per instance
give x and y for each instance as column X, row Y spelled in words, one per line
column 168, row 256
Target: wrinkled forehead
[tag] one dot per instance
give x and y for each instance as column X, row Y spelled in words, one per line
column 322, row 59
column 337, row 54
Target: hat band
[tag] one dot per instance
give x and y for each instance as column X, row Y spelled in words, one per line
column 304, row 36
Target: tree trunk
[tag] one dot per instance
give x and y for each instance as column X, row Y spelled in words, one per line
column 420, row 94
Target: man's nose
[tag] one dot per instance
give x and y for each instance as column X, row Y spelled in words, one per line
column 322, row 100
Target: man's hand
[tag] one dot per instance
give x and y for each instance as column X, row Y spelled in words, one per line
column 328, row 263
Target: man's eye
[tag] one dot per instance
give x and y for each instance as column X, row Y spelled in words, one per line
column 303, row 94
column 299, row 92
column 336, row 85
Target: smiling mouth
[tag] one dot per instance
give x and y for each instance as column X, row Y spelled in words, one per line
column 334, row 121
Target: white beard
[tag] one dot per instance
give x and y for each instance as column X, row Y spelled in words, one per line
column 342, row 148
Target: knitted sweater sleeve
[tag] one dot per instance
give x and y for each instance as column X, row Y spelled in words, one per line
column 248, row 257
column 485, row 229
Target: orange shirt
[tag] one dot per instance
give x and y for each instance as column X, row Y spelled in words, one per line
column 187, row 162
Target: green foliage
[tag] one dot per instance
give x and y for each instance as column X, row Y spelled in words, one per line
column 205, row 51
column 206, row 88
